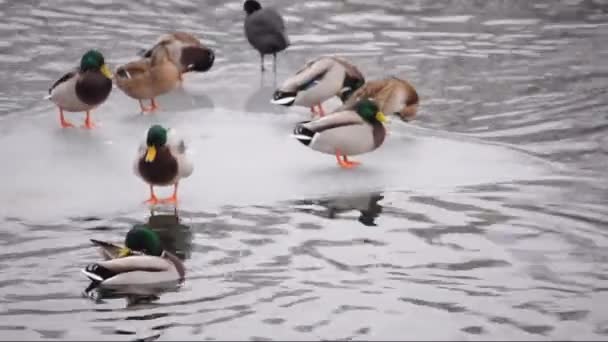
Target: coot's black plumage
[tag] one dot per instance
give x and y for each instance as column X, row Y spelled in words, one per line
column 265, row 30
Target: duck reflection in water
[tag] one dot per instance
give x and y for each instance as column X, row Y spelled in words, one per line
column 258, row 102
column 148, row 264
column 366, row 203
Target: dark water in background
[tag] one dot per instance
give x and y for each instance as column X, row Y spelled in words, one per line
column 438, row 239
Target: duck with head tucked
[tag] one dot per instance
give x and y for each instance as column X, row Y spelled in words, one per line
column 393, row 95
column 82, row 89
column 149, row 77
column 190, row 54
column 319, row 80
column 140, row 261
column 162, row 161
column 345, row 133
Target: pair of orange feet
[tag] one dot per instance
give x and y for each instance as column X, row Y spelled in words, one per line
column 345, row 163
column 319, row 112
column 88, row 123
column 153, row 106
column 153, row 200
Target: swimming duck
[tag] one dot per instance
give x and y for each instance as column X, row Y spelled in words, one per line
column 82, row 89
column 393, row 95
column 319, row 80
column 344, row 133
column 141, row 260
column 191, row 55
column 161, row 161
column 148, row 78
column 265, row 31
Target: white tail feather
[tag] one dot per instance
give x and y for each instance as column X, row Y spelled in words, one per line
column 281, row 101
column 301, row 137
column 92, row 275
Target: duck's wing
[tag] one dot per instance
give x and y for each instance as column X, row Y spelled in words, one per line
column 108, row 250
column 179, row 149
column 369, row 90
column 334, row 120
column 312, row 72
column 186, row 38
column 351, row 70
column 64, row 78
column 134, row 68
column 136, row 263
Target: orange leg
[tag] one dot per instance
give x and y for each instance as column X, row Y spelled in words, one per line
column 173, row 198
column 144, row 109
column 351, row 162
column 153, row 199
column 88, row 123
column 344, row 162
column 313, row 111
column 153, row 104
column 321, row 111
column 63, row 121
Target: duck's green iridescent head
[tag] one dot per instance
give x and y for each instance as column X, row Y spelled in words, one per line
column 93, row 60
column 369, row 111
column 157, row 138
column 142, row 239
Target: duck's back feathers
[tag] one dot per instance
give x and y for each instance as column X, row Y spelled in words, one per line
column 335, row 120
column 133, row 270
column 344, row 131
column 265, row 31
column 319, row 80
column 148, row 77
column 393, row 95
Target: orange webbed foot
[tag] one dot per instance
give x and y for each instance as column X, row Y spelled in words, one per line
column 153, row 200
column 89, row 124
column 66, row 124
column 169, row 200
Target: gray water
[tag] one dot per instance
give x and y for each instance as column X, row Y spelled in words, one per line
column 483, row 219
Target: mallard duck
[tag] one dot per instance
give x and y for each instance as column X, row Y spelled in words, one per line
column 82, row 89
column 141, row 260
column 191, row 55
column 344, row 133
column 149, row 77
column 319, row 80
column 393, row 95
column 161, row 161
column 265, row 31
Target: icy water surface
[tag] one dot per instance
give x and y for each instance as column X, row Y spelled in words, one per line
column 483, row 219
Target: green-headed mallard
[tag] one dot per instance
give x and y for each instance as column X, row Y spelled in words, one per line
column 345, row 133
column 140, row 261
column 265, row 31
column 149, row 77
column 393, row 96
column 318, row 81
column 161, row 161
column 82, row 89
column 190, row 54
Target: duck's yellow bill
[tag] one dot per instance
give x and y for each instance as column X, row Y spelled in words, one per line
column 106, row 71
column 381, row 117
column 150, row 154
column 124, row 252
